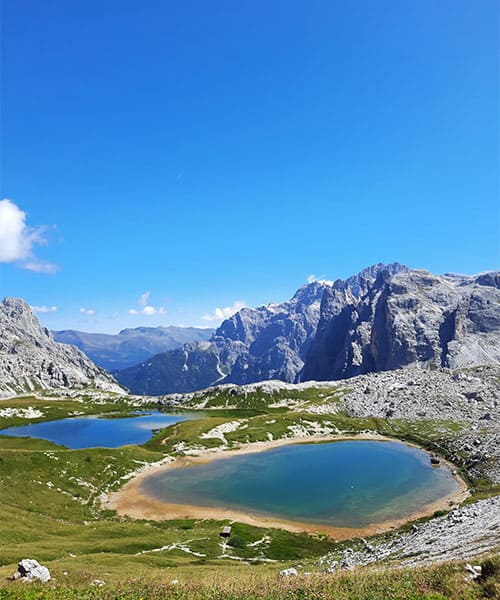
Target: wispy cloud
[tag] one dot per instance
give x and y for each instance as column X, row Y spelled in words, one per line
column 146, row 309
column 87, row 311
column 44, row 309
column 17, row 239
column 40, row 266
column 220, row 314
column 312, row 278
column 143, row 299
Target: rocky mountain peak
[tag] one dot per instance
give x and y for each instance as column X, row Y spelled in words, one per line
column 408, row 318
column 30, row 359
column 383, row 318
column 309, row 293
column 21, row 313
column 360, row 283
column 372, row 272
column 18, row 310
column 15, row 307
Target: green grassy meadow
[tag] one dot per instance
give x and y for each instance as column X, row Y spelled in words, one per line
column 50, row 510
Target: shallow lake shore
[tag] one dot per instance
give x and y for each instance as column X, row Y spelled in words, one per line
column 133, row 501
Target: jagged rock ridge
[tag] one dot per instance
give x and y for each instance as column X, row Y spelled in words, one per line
column 30, row 359
column 268, row 342
column 407, row 319
column 384, row 318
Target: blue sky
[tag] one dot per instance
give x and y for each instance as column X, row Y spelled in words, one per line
column 218, row 152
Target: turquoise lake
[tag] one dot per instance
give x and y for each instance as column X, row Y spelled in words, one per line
column 342, row 484
column 95, row 431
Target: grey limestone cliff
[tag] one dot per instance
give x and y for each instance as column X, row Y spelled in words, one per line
column 30, row 359
column 410, row 318
column 386, row 317
column 268, row 342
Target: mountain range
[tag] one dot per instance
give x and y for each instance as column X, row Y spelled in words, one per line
column 130, row 346
column 385, row 317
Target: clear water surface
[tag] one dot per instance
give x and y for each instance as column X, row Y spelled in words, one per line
column 98, row 431
column 342, row 484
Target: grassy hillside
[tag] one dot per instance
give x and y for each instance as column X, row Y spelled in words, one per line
column 50, row 510
column 217, row 582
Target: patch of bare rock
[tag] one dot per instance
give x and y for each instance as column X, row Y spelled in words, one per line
column 464, row 532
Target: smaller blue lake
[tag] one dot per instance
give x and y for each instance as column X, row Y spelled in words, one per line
column 95, row 431
column 343, row 484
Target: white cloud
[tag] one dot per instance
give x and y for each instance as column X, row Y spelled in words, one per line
column 143, row 299
column 44, row 309
column 312, row 278
column 220, row 314
column 40, row 266
column 87, row 311
column 148, row 310
column 17, row 239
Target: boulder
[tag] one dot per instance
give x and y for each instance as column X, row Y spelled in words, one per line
column 473, row 570
column 30, row 569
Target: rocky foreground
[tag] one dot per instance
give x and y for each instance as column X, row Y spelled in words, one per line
column 461, row 534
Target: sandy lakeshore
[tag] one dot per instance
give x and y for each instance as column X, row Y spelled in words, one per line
column 133, row 501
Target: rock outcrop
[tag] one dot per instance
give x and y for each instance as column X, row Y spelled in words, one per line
column 30, row 359
column 407, row 319
column 464, row 532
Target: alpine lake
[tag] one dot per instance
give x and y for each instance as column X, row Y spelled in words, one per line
column 99, row 431
column 346, row 483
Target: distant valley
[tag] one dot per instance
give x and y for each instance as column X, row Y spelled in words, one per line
column 130, row 346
